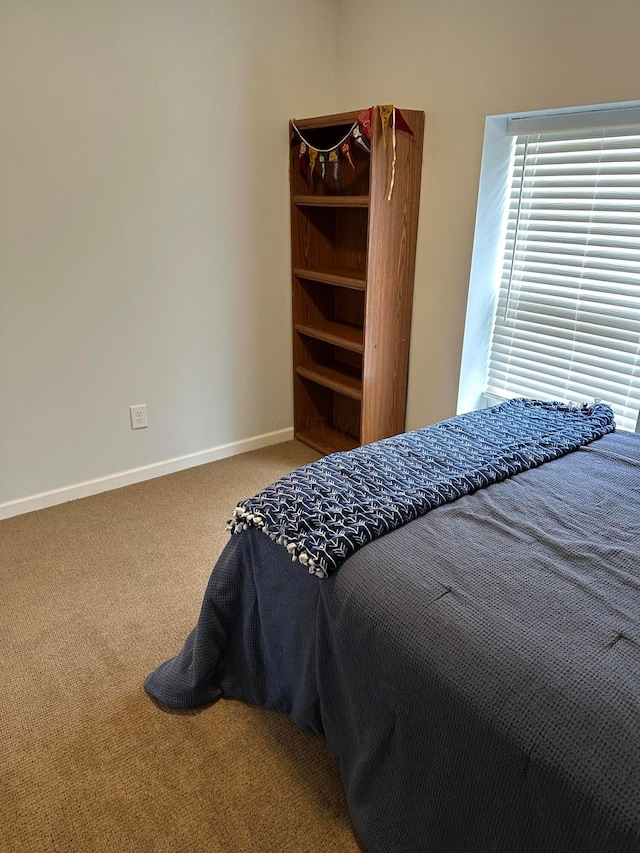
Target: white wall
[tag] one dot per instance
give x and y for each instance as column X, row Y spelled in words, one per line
column 144, row 222
column 144, row 228
column 460, row 61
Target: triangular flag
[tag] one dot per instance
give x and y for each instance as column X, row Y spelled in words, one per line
column 303, row 160
column 360, row 140
column 385, row 114
column 401, row 124
column 322, row 159
column 364, row 120
column 304, row 167
column 345, row 148
column 312, row 161
column 335, row 162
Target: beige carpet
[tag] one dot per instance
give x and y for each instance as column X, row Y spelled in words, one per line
column 94, row 594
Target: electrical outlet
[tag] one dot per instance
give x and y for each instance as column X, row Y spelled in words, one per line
column 138, row 415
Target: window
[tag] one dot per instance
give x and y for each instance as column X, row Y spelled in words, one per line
column 565, row 272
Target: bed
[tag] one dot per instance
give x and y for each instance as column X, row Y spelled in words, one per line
column 475, row 671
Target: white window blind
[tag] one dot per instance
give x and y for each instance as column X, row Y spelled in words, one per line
column 567, row 324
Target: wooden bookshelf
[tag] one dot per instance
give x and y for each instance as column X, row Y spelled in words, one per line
column 353, row 259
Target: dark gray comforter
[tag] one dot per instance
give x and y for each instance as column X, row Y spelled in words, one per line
column 476, row 672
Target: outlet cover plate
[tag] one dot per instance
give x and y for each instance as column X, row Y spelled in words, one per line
column 138, row 415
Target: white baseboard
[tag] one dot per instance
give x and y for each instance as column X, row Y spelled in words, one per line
column 138, row 475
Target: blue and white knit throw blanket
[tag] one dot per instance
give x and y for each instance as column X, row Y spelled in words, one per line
column 325, row 511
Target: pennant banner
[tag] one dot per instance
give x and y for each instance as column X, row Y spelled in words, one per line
column 361, row 134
